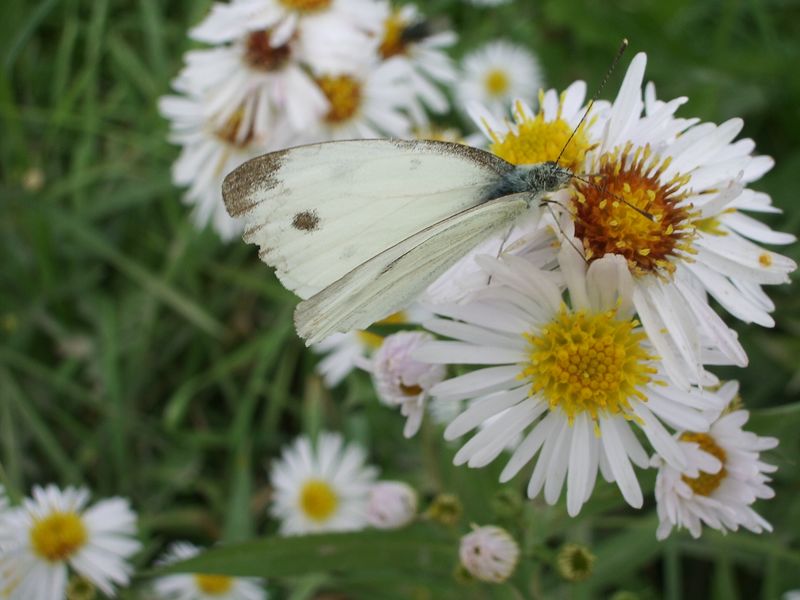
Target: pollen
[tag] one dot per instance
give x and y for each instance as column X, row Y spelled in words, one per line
column 318, row 500
column 58, row 536
column 705, row 483
column 765, row 260
column 344, row 96
column 624, row 208
column 214, row 585
column 589, row 362
column 260, row 55
column 497, row 82
column 392, row 43
column 306, row 5
column 534, row 140
column 232, row 132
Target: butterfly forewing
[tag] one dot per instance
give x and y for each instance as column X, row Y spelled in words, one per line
column 317, row 212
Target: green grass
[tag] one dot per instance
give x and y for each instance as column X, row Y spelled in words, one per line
column 141, row 357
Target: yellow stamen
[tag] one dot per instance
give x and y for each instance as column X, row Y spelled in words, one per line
column 585, row 362
column 765, row 260
column 344, row 95
column 705, row 483
column 539, row 141
column 318, row 500
column 58, row 536
column 605, row 224
column 305, row 5
column 497, row 82
column 214, row 585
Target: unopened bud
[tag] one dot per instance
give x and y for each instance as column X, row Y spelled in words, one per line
column 575, row 562
column 445, row 509
column 392, row 504
column 489, row 553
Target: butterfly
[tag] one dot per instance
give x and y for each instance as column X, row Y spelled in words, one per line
column 359, row 229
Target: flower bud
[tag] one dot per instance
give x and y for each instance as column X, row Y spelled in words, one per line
column 392, row 504
column 489, row 553
column 445, row 509
column 575, row 562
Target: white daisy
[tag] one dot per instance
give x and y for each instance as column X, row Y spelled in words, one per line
column 497, row 74
column 392, row 504
column 723, row 477
column 322, row 487
column 400, row 381
column 54, row 534
column 200, row 586
column 268, row 81
column 369, row 103
column 573, row 378
column 664, row 201
column 407, row 37
column 489, row 553
column 329, row 35
column 209, row 153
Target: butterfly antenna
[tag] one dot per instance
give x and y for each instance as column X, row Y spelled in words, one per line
column 620, row 52
column 546, row 203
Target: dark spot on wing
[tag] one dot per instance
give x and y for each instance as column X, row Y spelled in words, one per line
column 306, row 220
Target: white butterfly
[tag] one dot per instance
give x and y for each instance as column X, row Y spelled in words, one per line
column 359, row 229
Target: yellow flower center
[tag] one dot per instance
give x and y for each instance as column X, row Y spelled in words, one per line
column 373, row 340
column 58, row 536
column 705, row 483
column 318, row 500
column 538, row 141
column 497, row 82
column 606, row 224
column 344, row 96
column 584, row 362
column 214, row 585
column 306, row 5
column 393, row 42
column 260, row 55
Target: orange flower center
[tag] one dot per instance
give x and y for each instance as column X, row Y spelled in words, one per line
column 344, row 96
column 306, row 5
column 705, row 483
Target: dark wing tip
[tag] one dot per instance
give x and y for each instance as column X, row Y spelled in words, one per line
column 258, row 173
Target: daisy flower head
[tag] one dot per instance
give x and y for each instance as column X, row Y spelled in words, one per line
column 392, row 504
column 202, row 586
column 724, row 475
column 328, row 35
column 54, row 534
column 369, row 103
column 497, row 74
column 209, row 152
column 400, row 380
column 321, row 487
column 489, row 553
column 573, row 378
column 668, row 204
column 266, row 82
column 408, row 37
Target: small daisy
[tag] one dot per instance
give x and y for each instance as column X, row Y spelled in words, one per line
column 199, row 586
column 392, row 504
column 268, row 81
column 723, row 477
column 401, row 381
column 497, row 74
column 54, row 534
column 322, row 487
column 408, row 37
column 370, row 103
column 344, row 352
column 329, row 35
column 669, row 204
column 573, row 377
column 489, row 553
column 210, row 152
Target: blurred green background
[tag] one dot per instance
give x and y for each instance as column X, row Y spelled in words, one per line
column 143, row 358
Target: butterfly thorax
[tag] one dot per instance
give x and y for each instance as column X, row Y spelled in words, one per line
column 538, row 179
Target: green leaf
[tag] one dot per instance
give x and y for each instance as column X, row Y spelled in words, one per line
column 417, row 549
